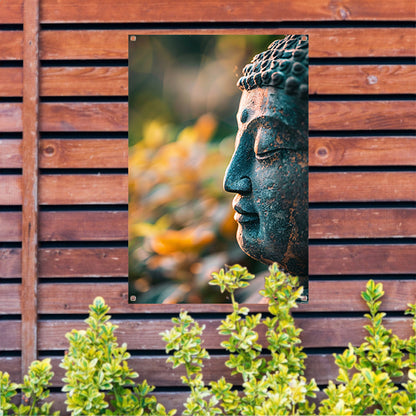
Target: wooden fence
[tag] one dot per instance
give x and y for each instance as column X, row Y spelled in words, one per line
column 63, row 166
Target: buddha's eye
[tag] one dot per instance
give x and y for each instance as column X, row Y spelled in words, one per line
column 267, row 142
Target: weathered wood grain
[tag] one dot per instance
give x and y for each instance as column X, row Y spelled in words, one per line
column 331, row 42
column 85, row 81
column 84, row 153
column 325, row 296
column 362, row 223
column 14, row 336
column 11, row 11
column 362, row 151
column 361, row 115
column 10, row 300
column 11, row 82
column 11, row 117
column 10, row 226
column 112, row 262
column 11, row 44
column 362, row 79
column 263, row 11
column 362, row 259
column 144, row 334
column 362, row 186
column 10, row 153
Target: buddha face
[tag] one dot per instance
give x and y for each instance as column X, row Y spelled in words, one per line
column 269, row 174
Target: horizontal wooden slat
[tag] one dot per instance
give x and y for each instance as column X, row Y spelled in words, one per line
column 113, row 44
column 11, row 11
column 83, row 116
column 362, row 79
column 144, row 334
column 362, row 186
column 10, row 299
column 10, row 153
column 113, row 153
column 83, row 153
column 11, row 342
column 362, row 223
column 323, row 115
column 112, row 225
column 112, row 189
column 325, row 296
column 361, row 115
column 107, row 81
column 362, row 151
column 362, row 259
column 99, row 11
column 71, row 81
column 323, row 260
column 11, row 82
column 10, row 117
column 11, row 44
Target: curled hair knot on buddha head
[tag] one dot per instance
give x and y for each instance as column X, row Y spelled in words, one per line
column 284, row 65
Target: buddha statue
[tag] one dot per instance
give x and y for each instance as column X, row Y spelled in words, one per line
column 268, row 171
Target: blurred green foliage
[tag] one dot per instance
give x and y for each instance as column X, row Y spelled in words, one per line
column 182, row 104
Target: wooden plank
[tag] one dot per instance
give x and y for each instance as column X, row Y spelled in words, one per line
column 11, row 82
column 362, row 223
column 324, row 79
column 13, row 340
column 112, row 262
column 11, row 45
column 361, row 115
column 83, row 189
column 362, row 151
column 362, row 186
column 145, row 334
column 10, row 226
column 323, row 115
column 10, row 299
column 106, row 11
column 113, row 153
column 11, row 117
column 30, row 180
column 11, row 11
column 112, row 188
column 362, row 79
column 325, row 296
column 91, row 226
column 83, row 153
column 85, row 81
column 101, row 262
column 59, row 226
column 11, row 190
column 10, row 263
column 10, row 153
column 113, row 44
column 83, row 116
column 362, row 259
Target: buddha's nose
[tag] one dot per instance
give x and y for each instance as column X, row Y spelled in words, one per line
column 236, row 179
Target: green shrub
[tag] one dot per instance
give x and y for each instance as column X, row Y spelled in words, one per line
column 34, row 389
column 98, row 380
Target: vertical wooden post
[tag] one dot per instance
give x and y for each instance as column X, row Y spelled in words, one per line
column 30, row 181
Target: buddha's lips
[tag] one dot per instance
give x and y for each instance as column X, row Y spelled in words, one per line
column 244, row 210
